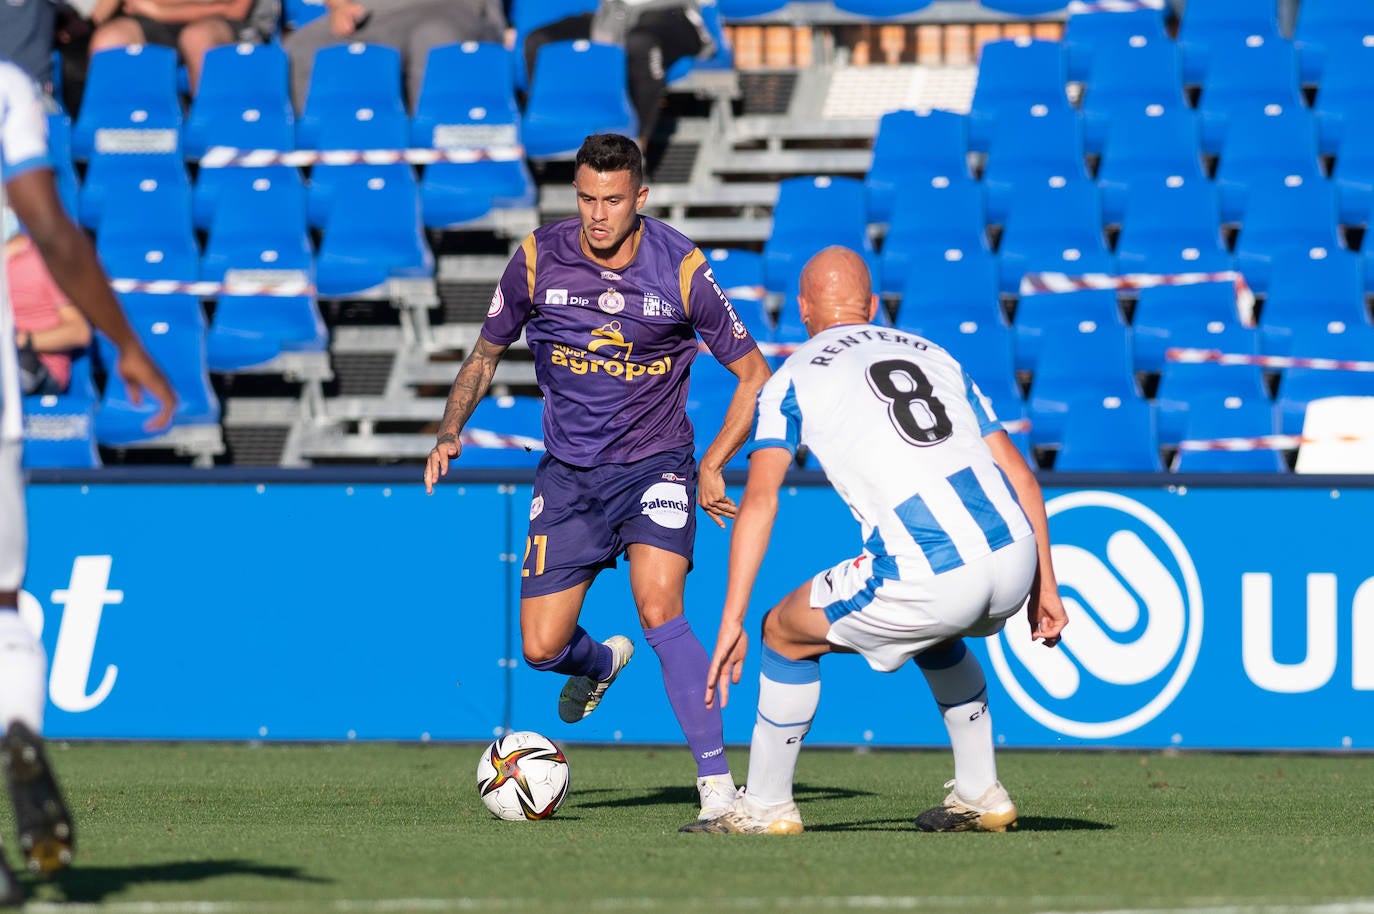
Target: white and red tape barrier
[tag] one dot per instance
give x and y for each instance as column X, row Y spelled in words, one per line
column 230, row 157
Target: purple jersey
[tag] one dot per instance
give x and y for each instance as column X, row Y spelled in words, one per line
column 612, row 348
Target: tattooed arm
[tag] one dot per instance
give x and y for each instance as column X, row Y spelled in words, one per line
column 468, row 389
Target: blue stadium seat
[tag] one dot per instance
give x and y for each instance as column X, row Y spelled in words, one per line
column 812, row 213
column 172, row 328
column 1210, row 28
column 1346, row 93
column 1181, row 384
column 235, row 184
column 261, row 227
column 59, row 429
column 467, row 101
column 60, row 151
column 1285, row 220
column 1195, row 316
column 881, row 9
column 145, row 233
column 1090, row 36
column 563, row 108
column 130, row 103
column 747, row 9
column 1086, row 359
column 708, row 399
column 297, row 14
column 1265, row 146
column 739, row 274
column 1015, row 74
column 1029, row 147
column 498, row 426
column 1042, row 316
column 1054, row 226
column 1111, row 434
column 1136, row 69
column 1171, row 226
column 108, row 173
column 722, row 59
column 1149, row 143
column 373, row 234
column 958, row 283
column 354, row 100
column 1025, row 7
column 911, row 147
column 1323, row 24
column 1354, row 171
column 1311, row 291
column 984, row 348
column 1299, row 386
column 1230, row 417
column 931, row 217
column 1248, row 75
column 242, row 101
column 528, row 15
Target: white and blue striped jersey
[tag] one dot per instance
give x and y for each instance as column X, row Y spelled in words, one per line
column 898, row 426
column 23, row 147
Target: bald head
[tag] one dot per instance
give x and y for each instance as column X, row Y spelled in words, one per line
column 836, row 289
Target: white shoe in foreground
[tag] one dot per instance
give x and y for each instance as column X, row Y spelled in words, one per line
column 993, row 811
column 582, row 694
column 717, row 792
column 746, row 818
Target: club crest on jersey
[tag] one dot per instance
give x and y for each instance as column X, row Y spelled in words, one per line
column 611, row 301
column 536, row 506
column 498, row 301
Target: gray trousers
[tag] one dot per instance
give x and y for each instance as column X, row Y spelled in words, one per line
column 413, row 30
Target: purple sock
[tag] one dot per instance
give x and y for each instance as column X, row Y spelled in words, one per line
column 583, row 656
column 685, row 664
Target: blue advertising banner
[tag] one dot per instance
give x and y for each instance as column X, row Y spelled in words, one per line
column 1202, row 617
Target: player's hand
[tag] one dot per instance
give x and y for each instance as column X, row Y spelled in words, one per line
column 712, row 498
column 728, row 662
column 1047, row 617
column 445, row 449
column 143, row 378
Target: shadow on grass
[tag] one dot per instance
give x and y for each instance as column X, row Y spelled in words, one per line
column 687, row 796
column 93, row 883
column 1026, row 823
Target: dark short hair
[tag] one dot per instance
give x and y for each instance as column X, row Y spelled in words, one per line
column 606, row 152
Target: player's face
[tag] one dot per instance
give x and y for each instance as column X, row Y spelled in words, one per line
column 608, row 203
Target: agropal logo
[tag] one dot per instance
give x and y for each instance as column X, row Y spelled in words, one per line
column 1135, row 610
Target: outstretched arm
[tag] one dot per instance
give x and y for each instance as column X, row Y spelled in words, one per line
column 1046, row 610
column 750, row 371
column 72, row 262
column 748, row 545
column 469, row 387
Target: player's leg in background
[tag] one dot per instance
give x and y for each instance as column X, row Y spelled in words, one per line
column 41, row 818
column 658, row 578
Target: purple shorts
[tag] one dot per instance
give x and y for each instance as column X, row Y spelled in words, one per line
column 581, row 520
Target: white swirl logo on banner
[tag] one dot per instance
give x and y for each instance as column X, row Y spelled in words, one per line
column 1135, row 611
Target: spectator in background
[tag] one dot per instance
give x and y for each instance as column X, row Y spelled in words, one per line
column 191, row 26
column 655, row 34
column 26, row 37
column 413, row 27
column 48, row 328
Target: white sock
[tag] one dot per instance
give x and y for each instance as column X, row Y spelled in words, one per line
column 956, row 680
column 789, row 691
column 23, row 673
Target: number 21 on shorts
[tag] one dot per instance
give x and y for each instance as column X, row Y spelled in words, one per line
column 539, row 545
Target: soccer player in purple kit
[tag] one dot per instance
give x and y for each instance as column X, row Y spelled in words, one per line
column 611, row 303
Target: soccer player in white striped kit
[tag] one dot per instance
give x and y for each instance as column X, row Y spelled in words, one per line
column 955, row 541
column 28, row 187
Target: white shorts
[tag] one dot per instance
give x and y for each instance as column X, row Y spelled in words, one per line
column 14, row 529
column 890, row 620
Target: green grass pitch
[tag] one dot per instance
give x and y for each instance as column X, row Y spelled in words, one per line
column 373, row 828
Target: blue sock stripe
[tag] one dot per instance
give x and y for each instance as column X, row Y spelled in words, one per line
column 768, row 720
column 792, row 672
column 981, row 696
column 943, row 657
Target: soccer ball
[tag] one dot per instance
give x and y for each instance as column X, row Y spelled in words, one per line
column 522, row 775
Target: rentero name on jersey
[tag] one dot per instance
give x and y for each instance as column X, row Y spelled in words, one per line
column 859, row 337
